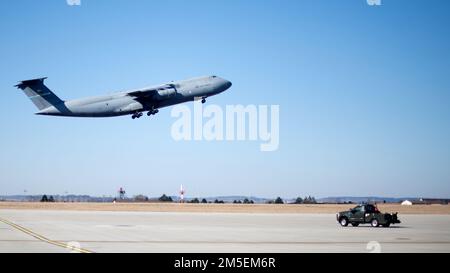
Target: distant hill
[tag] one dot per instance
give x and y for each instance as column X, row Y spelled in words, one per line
column 226, row 199
column 58, row 198
column 354, row 199
column 87, row 198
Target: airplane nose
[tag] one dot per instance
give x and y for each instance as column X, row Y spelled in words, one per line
column 225, row 84
column 221, row 84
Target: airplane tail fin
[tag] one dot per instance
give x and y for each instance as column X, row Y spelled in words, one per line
column 38, row 93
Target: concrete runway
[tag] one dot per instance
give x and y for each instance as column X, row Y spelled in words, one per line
column 101, row 231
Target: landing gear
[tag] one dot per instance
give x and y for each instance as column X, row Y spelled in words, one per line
column 140, row 114
column 152, row 112
column 136, row 115
column 203, row 100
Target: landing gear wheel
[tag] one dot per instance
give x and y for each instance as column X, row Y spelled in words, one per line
column 136, row 115
column 203, row 100
column 374, row 223
column 152, row 112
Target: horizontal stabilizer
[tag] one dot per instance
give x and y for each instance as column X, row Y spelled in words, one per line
column 23, row 84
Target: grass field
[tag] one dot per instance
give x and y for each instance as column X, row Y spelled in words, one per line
column 225, row 208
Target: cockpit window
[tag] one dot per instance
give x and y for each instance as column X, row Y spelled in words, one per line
column 214, row 77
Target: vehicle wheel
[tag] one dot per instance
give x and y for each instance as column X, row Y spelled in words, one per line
column 374, row 223
column 343, row 222
column 355, row 224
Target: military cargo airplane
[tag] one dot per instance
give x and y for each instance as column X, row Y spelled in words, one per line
column 131, row 102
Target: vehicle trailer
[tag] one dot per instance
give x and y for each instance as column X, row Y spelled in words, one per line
column 366, row 214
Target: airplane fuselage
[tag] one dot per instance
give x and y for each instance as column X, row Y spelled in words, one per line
column 140, row 100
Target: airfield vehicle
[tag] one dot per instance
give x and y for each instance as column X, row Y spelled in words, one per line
column 366, row 214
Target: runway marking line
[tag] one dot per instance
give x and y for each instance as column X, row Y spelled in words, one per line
column 268, row 243
column 44, row 239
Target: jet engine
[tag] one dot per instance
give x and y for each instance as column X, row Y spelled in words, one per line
column 165, row 93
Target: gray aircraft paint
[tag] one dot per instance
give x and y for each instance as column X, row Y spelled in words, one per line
column 123, row 103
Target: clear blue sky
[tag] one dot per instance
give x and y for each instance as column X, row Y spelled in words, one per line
column 364, row 96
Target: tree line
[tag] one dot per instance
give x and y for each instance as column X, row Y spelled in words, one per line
column 165, row 198
column 278, row 200
column 47, row 199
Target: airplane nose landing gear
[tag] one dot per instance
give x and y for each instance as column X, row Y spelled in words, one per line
column 203, row 100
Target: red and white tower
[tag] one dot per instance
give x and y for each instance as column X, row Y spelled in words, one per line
column 182, row 191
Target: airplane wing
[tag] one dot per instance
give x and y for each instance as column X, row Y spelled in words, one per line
column 154, row 94
column 142, row 93
column 145, row 97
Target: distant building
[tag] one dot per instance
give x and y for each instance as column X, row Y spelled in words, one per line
column 435, row 201
column 406, row 203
